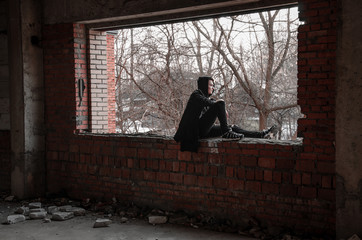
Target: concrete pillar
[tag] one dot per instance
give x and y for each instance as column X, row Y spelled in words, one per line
column 26, row 98
column 348, row 121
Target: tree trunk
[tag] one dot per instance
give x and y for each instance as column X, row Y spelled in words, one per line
column 263, row 118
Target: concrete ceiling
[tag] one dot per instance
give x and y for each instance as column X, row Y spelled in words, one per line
column 116, row 14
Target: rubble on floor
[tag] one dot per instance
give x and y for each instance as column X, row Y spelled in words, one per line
column 62, row 209
column 102, row 222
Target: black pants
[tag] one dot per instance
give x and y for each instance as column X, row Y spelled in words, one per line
column 208, row 129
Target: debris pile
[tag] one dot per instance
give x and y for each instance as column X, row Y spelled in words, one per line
column 107, row 213
column 35, row 210
column 61, row 209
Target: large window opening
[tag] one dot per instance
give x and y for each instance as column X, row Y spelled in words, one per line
column 252, row 57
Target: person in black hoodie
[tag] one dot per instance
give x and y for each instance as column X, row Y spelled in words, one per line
column 198, row 119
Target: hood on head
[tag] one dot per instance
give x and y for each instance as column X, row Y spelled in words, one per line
column 203, row 84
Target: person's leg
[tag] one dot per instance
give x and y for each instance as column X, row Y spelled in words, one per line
column 246, row 133
column 252, row 134
column 206, row 122
column 207, row 127
column 215, row 131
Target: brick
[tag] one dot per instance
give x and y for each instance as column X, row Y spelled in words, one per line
column 200, row 169
column 253, row 186
column 104, row 171
column 190, row 168
column 316, row 180
column 250, row 174
column 326, row 167
column 327, row 194
column 130, row 163
column 163, row 176
column 250, row 152
column 213, row 171
column 307, row 192
column 204, row 181
column 232, row 160
column 175, row 166
column 184, row 156
column 176, row 178
column 137, row 174
column 288, row 190
column 149, row 176
column 297, row 179
column 268, row 175
column 190, row 180
column 220, row 183
column 168, row 166
column 156, row 153
column 258, row 174
column 277, row 177
column 92, row 169
column 229, row 172
column 285, row 164
column 130, row 152
column 266, row 162
column 170, row 154
column 183, row 167
column 240, row 173
column 326, row 181
column 236, row 184
column 306, row 178
column 249, row 161
column 215, row 158
column 196, row 157
column 270, row 188
column 305, row 165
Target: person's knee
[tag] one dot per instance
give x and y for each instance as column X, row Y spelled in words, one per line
column 220, row 103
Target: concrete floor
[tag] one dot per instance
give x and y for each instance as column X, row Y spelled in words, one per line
column 81, row 228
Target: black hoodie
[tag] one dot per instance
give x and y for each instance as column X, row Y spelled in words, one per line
column 188, row 131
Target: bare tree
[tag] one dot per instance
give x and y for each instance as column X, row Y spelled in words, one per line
column 257, row 66
column 253, row 58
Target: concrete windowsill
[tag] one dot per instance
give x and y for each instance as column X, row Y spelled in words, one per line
column 297, row 142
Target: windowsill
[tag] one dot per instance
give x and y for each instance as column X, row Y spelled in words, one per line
column 296, row 142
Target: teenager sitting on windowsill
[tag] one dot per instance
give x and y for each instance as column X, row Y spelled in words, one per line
column 198, row 119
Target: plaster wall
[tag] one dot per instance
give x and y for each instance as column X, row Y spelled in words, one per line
column 4, row 70
column 348, row 120
column 27, row 99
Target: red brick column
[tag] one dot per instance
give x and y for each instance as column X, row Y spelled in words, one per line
column 81, row 77
column 317, row 40
column 60, row 78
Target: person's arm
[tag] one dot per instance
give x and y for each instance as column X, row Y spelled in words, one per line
column 202, row 100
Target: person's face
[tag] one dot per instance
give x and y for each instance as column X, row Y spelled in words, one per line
column 210, row 88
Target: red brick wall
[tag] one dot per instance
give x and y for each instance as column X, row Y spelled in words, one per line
column 59, row 81
column 317, row 40
column 291, row 186
column 80, row 63
column 5, row 163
